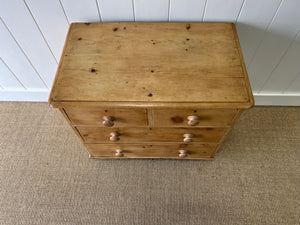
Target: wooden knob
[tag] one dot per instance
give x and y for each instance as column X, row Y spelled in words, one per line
column 193, row 120
column 108, row 121
column 188, row 137
column 114, row 136
column 119, row 153
column 182, row 153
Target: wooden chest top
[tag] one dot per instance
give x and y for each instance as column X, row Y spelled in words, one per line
column 152, row 64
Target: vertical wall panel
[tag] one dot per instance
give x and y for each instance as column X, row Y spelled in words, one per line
column 116, row 10
column 219, row 10
column 7, row 79
column 32, row 34
column 52, row 22
column 81, row 10
column 286, row 69
column 254, row 18
column 16, row 60
column 151, row 10
column 294, row 87
column 22, row 26
column 277, row 39
column 187, row 10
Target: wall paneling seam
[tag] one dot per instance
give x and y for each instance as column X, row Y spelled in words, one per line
column 63, row 9
column 56, row 60
column 98, row 10
column 1, row 19
column 133, row 10
column 264, row 34
column 204, row 10
column 12, row 73
column 279, row 61
column 169, row 8
column 239, row 14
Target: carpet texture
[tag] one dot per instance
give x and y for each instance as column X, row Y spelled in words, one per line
column 46, row 176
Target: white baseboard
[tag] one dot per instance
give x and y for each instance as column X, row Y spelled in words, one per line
column 31, row 95
column 277, row 99
column 41, row 95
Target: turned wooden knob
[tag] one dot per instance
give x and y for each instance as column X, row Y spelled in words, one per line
column 182, row 153
column 188, row 137
column 119, row 153
column 114, row 136
column 193, row 120
column 108, row 121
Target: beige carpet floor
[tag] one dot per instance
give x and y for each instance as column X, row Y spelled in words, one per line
column 46, row 176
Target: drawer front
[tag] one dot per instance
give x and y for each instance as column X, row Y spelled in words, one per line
column 193, row 117
column 140, row 134
column 179, row 151
column 117, row 117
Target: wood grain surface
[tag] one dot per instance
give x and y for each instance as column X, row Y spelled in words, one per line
column 195, row 151
column 207, row 117
column 94, row 116
column 138, row 85
column 152, row 62
column 141, row 134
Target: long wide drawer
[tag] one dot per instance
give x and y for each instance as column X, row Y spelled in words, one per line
column 156, row 134
column 193, row 117
column 176, row 151
column 116, row 117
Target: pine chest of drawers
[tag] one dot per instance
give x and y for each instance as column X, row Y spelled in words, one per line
column 151, row 90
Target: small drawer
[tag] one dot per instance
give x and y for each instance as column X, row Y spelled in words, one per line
column 156, row 134
column 176, row 151
column 103, row 117
column 193, row 117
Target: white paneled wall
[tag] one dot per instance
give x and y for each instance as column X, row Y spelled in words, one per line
column 181, row 10
column 276, row 42
column 48, row 15
column 254, row 19
column 293, row 87
column 27, row 34
column 9, row 79
column 222, row 11
column 151, row 10
column 123, row 10
column 32, row 34
column 13, row 56
column 80, row 10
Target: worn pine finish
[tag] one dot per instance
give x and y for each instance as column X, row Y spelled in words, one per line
column 94, row 116
column 152, row 90
column 179, row 117
column 145, row 134
column 198, row 62
column 194, row 151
